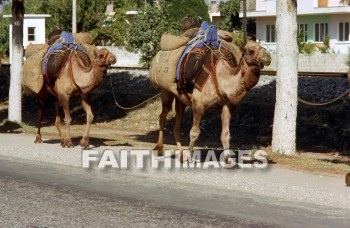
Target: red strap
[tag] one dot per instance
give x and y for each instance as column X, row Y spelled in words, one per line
column 106, row 57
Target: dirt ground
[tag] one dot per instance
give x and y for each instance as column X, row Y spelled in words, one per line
column 323, row 134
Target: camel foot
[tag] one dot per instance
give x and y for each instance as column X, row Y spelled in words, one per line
column 186, row 157
column 159, row 150
column 38, row 139
column 67, row 143
column 84, row 142
column 229, row 163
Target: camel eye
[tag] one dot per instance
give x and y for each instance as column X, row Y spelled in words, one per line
column 251, row 51
column 101, row 55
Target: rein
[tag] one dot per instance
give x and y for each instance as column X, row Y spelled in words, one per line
column 128, row 108
column 324, row 103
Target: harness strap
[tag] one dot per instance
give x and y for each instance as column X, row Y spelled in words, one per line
column 222, row 95
column 49, row 86
column 243, row 69
column 106, row 57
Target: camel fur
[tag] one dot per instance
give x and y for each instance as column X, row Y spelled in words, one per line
column 74, row 79
column 233, row 83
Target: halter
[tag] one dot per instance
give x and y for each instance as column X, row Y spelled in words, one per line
column 253, row 58
column 105, row 58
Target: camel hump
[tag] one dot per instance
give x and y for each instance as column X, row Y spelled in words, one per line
column 198, row 65
column 58, row 59
column 56, row 55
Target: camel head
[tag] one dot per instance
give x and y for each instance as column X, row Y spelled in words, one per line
column 256, row 55
column 104, row 58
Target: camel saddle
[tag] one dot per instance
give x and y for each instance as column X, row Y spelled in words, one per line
column 58, row 54
column 206, row 36
column 58, row 59
column 198, row 65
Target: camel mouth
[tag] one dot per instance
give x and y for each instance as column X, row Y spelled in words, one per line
column 111, row 61
column 265, row 58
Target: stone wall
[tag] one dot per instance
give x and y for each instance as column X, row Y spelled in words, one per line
column 124, row 57
column 332, row 63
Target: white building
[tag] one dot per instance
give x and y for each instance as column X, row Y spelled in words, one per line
column 214, row 13
column 33, row 29
column 316, row 18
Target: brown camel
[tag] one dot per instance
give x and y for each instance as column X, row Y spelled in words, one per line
column 226, row 86
column 75, row 76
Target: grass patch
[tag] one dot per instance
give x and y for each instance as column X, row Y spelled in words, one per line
column 311, row 164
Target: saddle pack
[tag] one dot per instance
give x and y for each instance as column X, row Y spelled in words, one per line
column 200, row 57
column 57, row 55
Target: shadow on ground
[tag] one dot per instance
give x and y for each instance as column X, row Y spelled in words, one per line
column 319, row 129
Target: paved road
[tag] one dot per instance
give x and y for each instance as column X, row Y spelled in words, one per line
column 45, row 186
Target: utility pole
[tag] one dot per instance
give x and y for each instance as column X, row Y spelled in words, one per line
column 74, row 16
column 244, row 22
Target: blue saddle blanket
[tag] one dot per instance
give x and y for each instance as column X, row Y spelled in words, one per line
column 206, row 36
column 66, row 40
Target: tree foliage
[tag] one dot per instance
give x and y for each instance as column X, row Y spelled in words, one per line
column 151, row 22
column 230, row 10
column 133, row 4
column 145, row 32
column 345, row 2
column 4, row 30
column 90, row 18
column 148, row 26
column 112, row 31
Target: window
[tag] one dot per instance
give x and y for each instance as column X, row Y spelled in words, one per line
column 322, row 3
column 302, row 31
column 270, row 33
column 344, row 31
column 31, row 33
column 321, row 30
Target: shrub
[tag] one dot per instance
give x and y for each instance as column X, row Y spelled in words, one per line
column 308, row 48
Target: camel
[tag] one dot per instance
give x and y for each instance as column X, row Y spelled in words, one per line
column 227, row 86
column 76, row 76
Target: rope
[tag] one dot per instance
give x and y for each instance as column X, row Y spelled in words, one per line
column 128, row 108
column 324, row 103
column 5, row 73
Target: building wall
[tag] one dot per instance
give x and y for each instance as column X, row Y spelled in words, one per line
column 124, row 58
column 318, row 62
column 30, row 20
column 333, row 3
column 308, row 13
column 311, row 20
column 39, row 24
column 261, row 26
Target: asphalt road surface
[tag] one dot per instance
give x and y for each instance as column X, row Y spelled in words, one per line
column 45, row 186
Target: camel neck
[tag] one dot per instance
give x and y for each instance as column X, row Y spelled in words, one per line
column 251, row 77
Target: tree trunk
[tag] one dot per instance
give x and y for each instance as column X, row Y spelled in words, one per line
column 284, row 126
column 15, row 93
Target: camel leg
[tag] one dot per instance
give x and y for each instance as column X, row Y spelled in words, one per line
column 167, row 101
column 64, row 101
column 226, row 114
column 42, row 98
column 198, row 111
column 179, row 109
column 86, row 103
column 58, row 121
